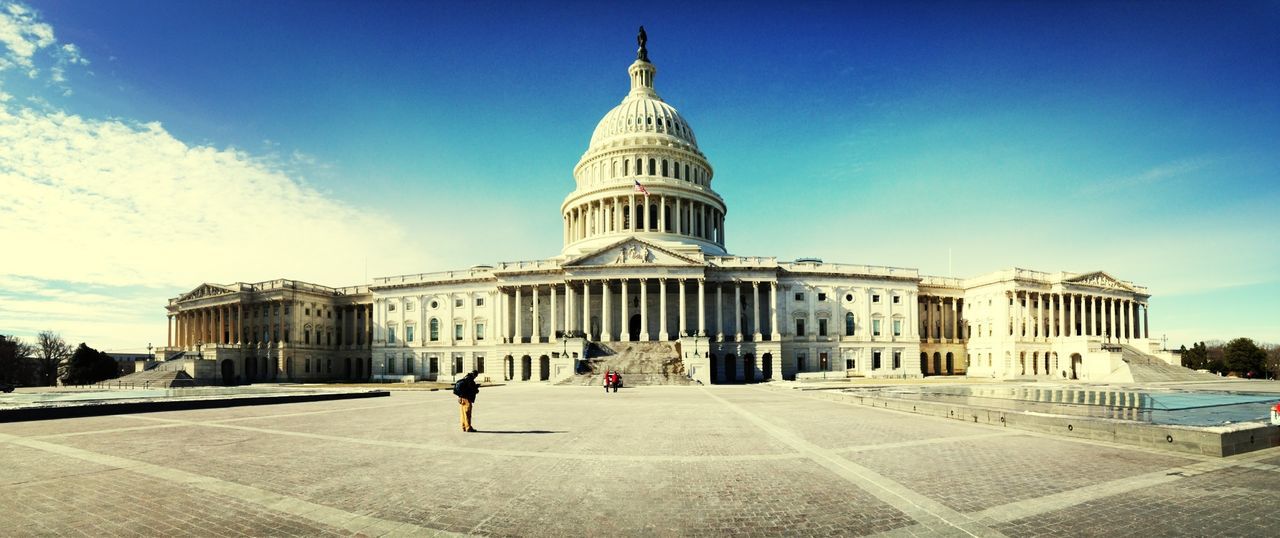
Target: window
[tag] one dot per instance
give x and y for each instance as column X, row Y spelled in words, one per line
column 457, row 364
column 822, row 296
column 408, row 362
column 391, row 307
column 391, row 365
column 408, row 333
column 897, row 299
column 479, row 301
column 480, row 364
column 822, row 326
column 408, row 305
column 897, row 360
column 875, row 298
column 328, row 365
column 307, row 312
column 848, row 297
column 434, row 330
column 799, row 296
column 897, row 327
column 875, row 327
column 653, row 167
column 391, row 334
column 435, row 305
column 875, row 360
column 799, row 327
column 849, row 325
column 306, row 336
column 457, row 331
column 479, row 331
column 457, row 302
column 306, row 366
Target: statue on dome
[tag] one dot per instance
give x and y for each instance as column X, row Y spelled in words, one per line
column 642, row 39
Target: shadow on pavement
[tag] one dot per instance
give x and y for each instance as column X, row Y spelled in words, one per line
column 515, row 431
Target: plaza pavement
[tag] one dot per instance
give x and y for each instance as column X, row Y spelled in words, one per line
column 573, row 461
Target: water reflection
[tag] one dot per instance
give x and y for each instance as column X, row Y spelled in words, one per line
column 1148, row 405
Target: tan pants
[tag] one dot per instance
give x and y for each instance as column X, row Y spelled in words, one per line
column 465, row 406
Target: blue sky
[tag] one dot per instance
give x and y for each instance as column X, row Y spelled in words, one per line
column 182, row 142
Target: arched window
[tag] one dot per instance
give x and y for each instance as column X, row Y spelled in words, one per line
column 666, row 216
column 435, row 330
column 676, row 169
column 653, row 167
column 626, row 166
column 686, row 172
column 664, row 168
column 626, row 217
column 306, row 335
column 653, row 216
column 640, row 217
column 849, row 325
column 639, row 166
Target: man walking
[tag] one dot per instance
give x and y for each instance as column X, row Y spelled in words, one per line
column 466, row 390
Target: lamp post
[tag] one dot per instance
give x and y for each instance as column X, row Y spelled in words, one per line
column 199, row 353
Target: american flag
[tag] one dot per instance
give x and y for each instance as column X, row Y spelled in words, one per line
column 640, row 188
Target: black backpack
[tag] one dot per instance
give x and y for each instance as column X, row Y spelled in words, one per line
column 457, row 387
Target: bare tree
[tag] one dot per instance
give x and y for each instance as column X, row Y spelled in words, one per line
column 16, row 364
column 52, row 352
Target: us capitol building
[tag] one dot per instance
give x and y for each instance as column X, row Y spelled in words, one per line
column 645, row 272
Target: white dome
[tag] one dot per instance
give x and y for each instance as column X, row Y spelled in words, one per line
column 643, row 114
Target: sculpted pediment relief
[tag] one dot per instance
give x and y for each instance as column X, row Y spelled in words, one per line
column 631, row 252
column 1100, row 279
column 205, row 290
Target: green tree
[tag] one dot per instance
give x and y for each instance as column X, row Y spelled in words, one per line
column 88, row 366
column 1244, row 357
column 17, row 367
column 1196, row 358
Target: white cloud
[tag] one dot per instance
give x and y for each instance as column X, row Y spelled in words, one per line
column 124, row 204
column 1148, row 177
column 22, row 35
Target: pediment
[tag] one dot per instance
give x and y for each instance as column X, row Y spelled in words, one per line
column 1099, row 279
column 632, row 252
column 206, row 290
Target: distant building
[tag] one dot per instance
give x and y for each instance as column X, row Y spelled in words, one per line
column 127, row 361
column 644, row 268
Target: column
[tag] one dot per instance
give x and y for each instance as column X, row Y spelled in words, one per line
column 719, row 315
column 775, row 335
column 662, row 307
column 1146, row 327
column 1116, row 324
column 702, row 307
column 662, row 225
column 676, row 228
column 624, row 321
column 755, row 312
column 1086, row 314
column 644, row 301
column 929, row 319
column 737, row 311
column 569, row 307
column 1069, row 309
column 536, row 329
column 519, row 312
column 1017, row 316
column 283, row 306
column 552, row 337
column 812, row 296
column 606, row 324
column 955, row 321
column 168, row 331
column 586, row 308
column 684, row 326
column 1128, row 320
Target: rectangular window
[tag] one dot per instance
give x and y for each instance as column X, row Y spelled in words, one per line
column 408, row 333
column 822, row 326
column 897, row 360
column 799, row 296
column 457, row 331
column 897, row 299
column 480, row 364
column 306, row 366
column 479, row 331
column 434, row 330
column 822, row 296
column 408, row 305
column 408, row 362
column 479, row 301
column 897, row 327
column 391, row 307
column 457, row 365
column 391, row 335
column 799, row 327
column 307, row 312
column 875, row 360
column 875, row 327
column 849, row 325
column 457, row 302
column 434, row 364
column 875, row 298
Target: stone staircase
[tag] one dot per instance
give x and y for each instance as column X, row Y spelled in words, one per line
column 1147, row 369
column 641, row 363
column 168, row 374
